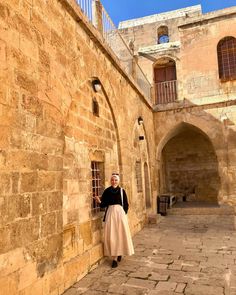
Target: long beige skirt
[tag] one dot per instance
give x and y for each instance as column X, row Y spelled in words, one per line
column 117, row 237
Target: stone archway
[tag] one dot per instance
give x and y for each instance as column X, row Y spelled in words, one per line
column 189, row 165
column 91, row 143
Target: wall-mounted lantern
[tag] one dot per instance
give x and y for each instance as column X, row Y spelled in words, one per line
column 97, row 86
column 140, row 120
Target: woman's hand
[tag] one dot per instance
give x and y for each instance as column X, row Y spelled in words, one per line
column 97, row 199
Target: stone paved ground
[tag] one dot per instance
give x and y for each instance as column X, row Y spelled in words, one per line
column 192, row 255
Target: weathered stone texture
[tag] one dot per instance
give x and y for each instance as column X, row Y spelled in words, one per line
column 191, row 166
column 49, row 136
column 198, row 84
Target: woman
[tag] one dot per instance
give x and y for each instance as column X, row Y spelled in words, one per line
column 117, row 237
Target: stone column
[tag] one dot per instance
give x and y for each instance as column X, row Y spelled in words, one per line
column 97, row 15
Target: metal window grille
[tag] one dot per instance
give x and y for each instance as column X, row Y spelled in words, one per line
column 97, row 184
column 226, row 51
column 138, row 171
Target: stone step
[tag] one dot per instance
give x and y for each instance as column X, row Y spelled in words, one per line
column 201, row 211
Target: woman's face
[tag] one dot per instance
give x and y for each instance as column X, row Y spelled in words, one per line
column 114, row 182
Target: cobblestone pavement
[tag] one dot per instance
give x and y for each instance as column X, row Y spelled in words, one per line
column 181, row 255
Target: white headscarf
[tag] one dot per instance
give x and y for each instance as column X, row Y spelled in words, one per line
column 114, row 175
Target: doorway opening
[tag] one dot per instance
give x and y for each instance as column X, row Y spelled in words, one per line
column 189, row 166
column 165, row 81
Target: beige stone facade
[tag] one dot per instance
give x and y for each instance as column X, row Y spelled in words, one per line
column 50, row 236
column 195, row 130
column 55, row 127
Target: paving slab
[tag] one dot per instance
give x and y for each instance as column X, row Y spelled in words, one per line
column 190, row 254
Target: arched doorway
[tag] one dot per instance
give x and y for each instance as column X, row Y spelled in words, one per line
column 190, row 166
column 165, row 81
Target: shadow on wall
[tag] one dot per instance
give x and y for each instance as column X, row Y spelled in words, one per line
column 196, row 154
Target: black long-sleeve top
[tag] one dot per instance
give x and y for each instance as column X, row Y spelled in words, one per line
column 112, row 196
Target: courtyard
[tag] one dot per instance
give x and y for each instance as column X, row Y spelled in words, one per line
column 191, row 254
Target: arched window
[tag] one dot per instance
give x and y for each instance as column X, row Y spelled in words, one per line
column 162, row 35
column 138, row 172
column 95, row 107
column 147, row 186
column 226, row 52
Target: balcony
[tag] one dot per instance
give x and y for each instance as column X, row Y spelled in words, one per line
column 165, row 92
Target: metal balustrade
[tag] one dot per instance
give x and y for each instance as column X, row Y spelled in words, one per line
column 98, row 16
column 86, row 7
column 165, row 92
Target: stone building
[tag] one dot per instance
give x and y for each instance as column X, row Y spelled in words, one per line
column 189, row 58
column 75, row 108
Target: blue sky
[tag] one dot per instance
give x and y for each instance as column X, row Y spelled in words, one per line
column 127, row 9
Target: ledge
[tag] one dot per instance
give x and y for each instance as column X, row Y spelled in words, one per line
column 180, row 105
column 159, row 47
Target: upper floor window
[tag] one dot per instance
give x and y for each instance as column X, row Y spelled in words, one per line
column 162, row 35
column 226, row 52
column 97, row 169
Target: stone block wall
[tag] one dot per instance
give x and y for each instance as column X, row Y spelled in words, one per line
column 209, row 106
column 143, row 33
column 204, row 101
column 49, row 135
column 191, row 166
column 220, row 133
column 199, row 64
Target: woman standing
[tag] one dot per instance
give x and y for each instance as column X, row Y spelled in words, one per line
column 117, row 237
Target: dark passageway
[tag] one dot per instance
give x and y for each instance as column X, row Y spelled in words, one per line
column 189, row 165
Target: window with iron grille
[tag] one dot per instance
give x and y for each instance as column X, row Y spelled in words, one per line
column 97, row 170
column 138, row 171
column 226, row 52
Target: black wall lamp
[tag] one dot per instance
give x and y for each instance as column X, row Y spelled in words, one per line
column 141, row 137
column 97, row 85
column 140, row 120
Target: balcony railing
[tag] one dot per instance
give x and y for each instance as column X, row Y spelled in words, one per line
column 166, row 92
column 86, row 7
column 97, row 15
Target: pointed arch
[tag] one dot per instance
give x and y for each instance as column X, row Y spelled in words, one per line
column 189, row 163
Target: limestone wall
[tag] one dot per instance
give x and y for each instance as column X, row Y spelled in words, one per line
column 220, row 132
column 208, row 103
column 199, row 74
column 143, row 32
column 193, row 39
column 49, row 135
column 191, row 166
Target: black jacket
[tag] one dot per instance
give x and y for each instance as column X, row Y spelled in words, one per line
column 112, row 196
